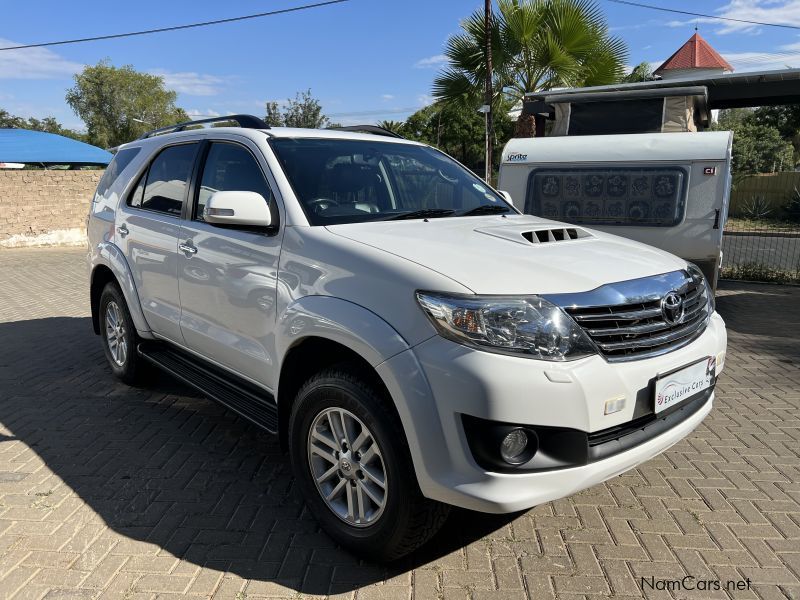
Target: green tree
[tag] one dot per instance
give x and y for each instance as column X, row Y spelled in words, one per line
column 459, row 131
column 757, row 148
column 393, row 126
column 304, row 111
column 119, row 104
column 536, row 45
column 641, row 72
column 47, row 124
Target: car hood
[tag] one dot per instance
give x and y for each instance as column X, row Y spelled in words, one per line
column 504, row 255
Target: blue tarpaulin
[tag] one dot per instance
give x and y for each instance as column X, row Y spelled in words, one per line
column 37, row 147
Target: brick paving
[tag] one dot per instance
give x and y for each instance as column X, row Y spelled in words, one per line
column 113, row 492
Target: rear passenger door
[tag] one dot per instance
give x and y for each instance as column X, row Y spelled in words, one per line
column 147, row 230
column 227, row 274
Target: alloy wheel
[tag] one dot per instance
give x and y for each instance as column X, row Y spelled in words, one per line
column 347, row 467
column 116, row 336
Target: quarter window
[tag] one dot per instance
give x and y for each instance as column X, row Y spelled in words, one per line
column 654, row 197
column 229, row 167
column 163, row 187
column 117, row 165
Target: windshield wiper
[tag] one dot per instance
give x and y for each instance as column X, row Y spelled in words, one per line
column 487, row 209
column 423, row 214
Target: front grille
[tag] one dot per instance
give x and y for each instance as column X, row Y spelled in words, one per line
column 634, row 330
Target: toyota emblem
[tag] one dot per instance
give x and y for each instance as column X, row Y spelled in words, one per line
column 672, row 308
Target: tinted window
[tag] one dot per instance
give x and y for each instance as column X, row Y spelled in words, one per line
column 229, row 167
column 347, row 181
column 609, row 196
column 167, row 178
column 117, row 165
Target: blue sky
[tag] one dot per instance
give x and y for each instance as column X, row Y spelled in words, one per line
column 360, row 58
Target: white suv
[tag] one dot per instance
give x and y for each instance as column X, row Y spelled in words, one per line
column 413, row 340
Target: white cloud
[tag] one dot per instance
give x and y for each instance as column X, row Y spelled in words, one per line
column 783, row 12
column 762, row 61
column 197, row 113
column 34, row 63
column 432, row 62
column 191, row 83
column 425, row 99
column 387, row 97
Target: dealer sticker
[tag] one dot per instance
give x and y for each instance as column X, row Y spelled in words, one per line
column 672, row 389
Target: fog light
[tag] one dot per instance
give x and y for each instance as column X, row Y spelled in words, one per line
column 514, row 447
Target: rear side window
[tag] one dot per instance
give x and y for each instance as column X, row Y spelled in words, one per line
column 229, row 167
column 163, row 187
column 654, row 197
column 117, row 165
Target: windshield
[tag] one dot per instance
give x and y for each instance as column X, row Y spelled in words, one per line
column 350, row 181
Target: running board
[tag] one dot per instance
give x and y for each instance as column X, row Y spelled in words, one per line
column 245, row 399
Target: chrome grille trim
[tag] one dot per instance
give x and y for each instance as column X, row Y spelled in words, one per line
column 626, row 322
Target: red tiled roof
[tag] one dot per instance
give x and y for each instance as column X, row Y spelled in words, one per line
column 696, row 53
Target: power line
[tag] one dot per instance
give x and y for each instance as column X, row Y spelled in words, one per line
column 176, row 27
column 705, row 16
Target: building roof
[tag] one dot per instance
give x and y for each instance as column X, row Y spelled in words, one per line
column 696, row 53
column 38, row 147
column 725, row 90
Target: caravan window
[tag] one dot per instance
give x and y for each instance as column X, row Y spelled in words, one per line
column 654, row 197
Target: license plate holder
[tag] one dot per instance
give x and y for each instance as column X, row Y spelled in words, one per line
column 672, row 388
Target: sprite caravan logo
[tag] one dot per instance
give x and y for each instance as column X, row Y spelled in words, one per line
column 516, row 157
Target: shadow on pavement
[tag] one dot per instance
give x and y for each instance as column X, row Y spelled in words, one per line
column 165, row 466
column 770, row 312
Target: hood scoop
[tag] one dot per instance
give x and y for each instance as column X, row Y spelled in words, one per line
column 536, row 235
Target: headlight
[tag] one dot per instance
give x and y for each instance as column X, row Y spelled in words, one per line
column 696, row 273
column 519, row 325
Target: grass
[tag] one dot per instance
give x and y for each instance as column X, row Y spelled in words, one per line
column 767, row 224
column 757, row 272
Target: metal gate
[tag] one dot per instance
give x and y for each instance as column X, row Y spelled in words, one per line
column 761, row 241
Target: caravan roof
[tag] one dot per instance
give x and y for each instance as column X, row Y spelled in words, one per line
column 706, row 145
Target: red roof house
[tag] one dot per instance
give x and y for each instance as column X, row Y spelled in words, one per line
column 695, row 57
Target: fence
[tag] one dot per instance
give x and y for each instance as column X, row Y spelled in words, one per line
column 761, row 241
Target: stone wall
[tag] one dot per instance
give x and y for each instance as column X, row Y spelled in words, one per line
column 45, row 208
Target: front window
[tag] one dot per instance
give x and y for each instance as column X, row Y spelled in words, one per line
column 349, row 181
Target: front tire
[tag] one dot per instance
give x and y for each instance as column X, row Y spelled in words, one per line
column 119, row 336
column 351, row 461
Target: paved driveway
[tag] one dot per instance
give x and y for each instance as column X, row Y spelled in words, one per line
column 107, row 491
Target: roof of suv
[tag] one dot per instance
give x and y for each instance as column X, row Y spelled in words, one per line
column 274, row 132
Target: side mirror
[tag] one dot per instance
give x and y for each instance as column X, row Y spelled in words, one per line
column 507, row 197
column 238, row 208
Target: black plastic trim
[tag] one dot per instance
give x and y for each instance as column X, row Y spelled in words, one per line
column 564, row 447
column 247, row 400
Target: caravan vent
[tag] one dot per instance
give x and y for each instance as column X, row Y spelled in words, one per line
column 542, row 236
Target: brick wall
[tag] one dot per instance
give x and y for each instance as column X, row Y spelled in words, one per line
column 44, row 208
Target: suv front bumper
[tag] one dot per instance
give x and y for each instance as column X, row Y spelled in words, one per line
column 438, row 381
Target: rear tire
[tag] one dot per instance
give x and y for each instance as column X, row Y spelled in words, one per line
column 378, row 522
column 118, row 335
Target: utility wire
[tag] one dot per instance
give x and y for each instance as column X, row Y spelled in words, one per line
column 694, row 14
column 176, row 27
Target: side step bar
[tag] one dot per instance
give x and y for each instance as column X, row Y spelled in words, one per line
column 247, row 400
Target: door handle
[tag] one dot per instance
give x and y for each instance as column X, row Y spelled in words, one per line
column 716, row 219
column 122, row 230
column 188, row 248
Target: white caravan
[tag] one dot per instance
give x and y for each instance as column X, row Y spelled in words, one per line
column 667, row 190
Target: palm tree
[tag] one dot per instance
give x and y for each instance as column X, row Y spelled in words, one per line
column 393, row 126
column 536, row 45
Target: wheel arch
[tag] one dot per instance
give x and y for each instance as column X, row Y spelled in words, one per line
column 107, row 264
column 316, row 332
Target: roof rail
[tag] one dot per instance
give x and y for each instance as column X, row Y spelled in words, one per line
column 373, row 129
column 246, row 121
